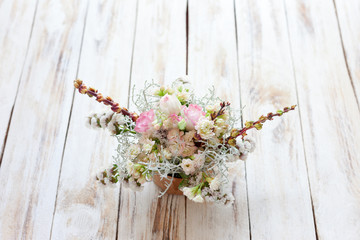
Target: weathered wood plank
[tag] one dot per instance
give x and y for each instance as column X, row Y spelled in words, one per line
column 348, row 16
column 212, row 61
column 278, row 190
column 329, row 115
column 85, row 208
column 31, row 163
column 16, row 19
column 159, row 54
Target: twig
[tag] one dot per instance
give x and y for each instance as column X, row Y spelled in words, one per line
column 91, row 92
column 258, row 125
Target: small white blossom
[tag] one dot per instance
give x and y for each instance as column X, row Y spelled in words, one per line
column 188, row 192
column 166, row 153
column 111, row 127
column 134, row 150
column 188, row 166
column 198, row 198
column 199, row 160
column 244, row 155
column 215, row 183
column 94, row 123
column 103, row 121
column 205, row 128
column 118, row 118
column 211, row 108
column 147, row 145
column 251, row 144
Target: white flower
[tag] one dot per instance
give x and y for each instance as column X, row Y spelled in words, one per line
column 240, row 144
column 244, row 155
column 198, row 198
column 147, row 144
column 130, row 167
column 103, row 121
column 199, row 160
column 166, row 153
column 189, row 192
column 158, row 91
column 134, row 150
column 219, row 130
column 142, row 180
column 111, row 127
column 118, row 118
column 251, row 144
column 211, row 108
column 205, row 128
column 94, row 123
column 147, row 148
column 170, row 104
column 188, row 166
column 247, row 146
column 184, row 96
column 215, row 183
column 169, row 90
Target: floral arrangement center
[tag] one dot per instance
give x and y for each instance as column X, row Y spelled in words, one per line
column 176, row 136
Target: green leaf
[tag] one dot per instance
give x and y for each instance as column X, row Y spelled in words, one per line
column 249, row 124
column 258, row 126
column 184, row 176
column 183, row 183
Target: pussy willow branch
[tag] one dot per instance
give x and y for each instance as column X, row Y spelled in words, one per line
column 91, row 92
column 258, row 125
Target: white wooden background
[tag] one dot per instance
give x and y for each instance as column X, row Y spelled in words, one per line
column 303, row 180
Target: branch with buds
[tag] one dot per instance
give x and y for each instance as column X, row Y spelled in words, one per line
column 221, row 111
column 91, row 92
column 258, row 125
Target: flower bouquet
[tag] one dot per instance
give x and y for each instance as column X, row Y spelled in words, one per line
column 185, row 144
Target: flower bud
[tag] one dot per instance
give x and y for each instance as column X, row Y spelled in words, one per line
column 182, row 124
column 170, row 104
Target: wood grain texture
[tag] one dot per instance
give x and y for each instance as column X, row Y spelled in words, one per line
column 16, row 19
column 273, row 53
column 212, row 61
column 278, row 190
column 348, row 13
column 85, row 208
column 31, row 162
column 329, row 116
column 159, row 54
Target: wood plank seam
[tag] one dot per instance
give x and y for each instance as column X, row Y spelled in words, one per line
column 19, row 80
column 344, row 53
column 132, row 54
column 128, row 104
column 300, row 119
column 241, row 107
column 187, row 37
column 187, row 71
column 69, row 119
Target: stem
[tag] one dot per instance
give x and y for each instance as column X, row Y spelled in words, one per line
column 91, row 92
column 258, row 125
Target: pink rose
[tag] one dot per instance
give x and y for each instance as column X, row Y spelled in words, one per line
column 144, row 122
column 192, row 115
